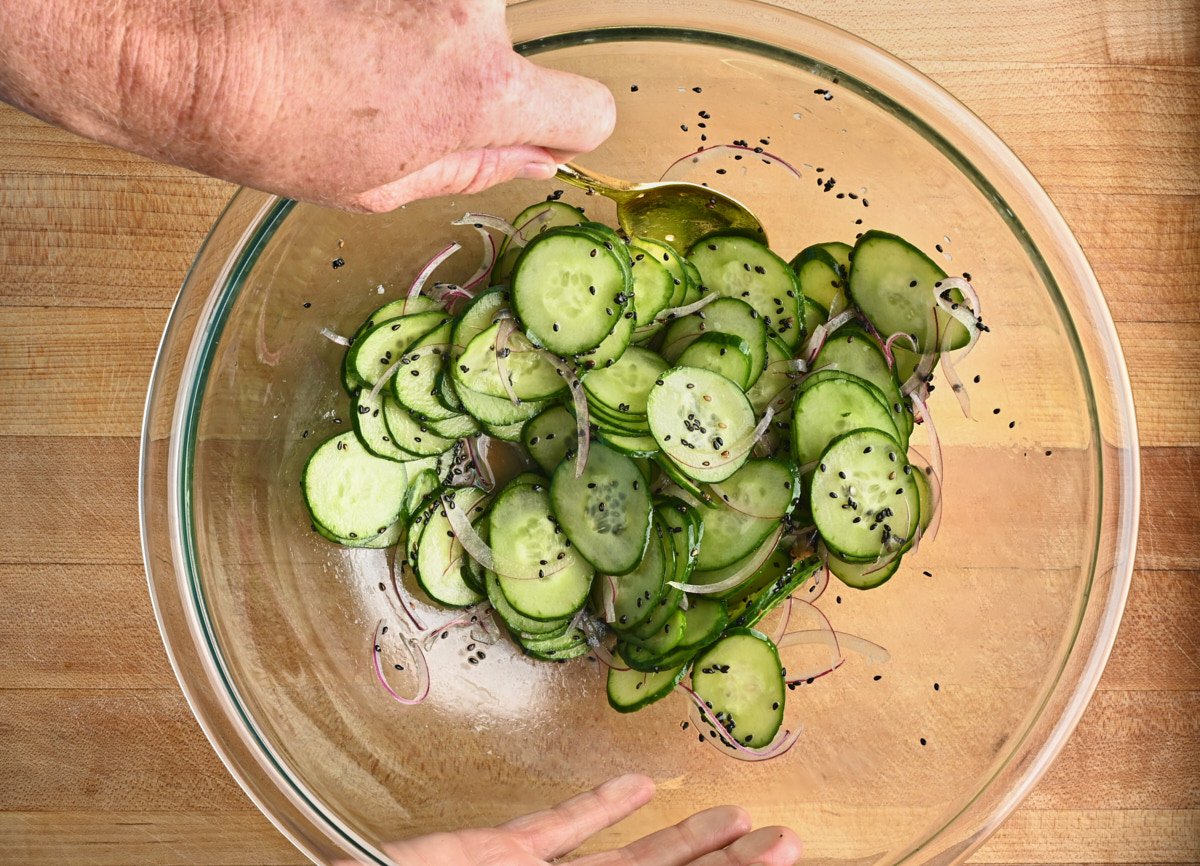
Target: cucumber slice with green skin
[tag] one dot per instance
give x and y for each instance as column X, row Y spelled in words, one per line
column 391, row 536
column 777, row 564
column 821, row 278
column 863, row 575
column 628, row 420
column 569, row 290
column 853, row 351
column 741, row 679
column 605, row 512
column 697, row 416
column 376, row 350
column 422, row 484
column 774, row 379
column 631, row 690
column 748, row 508
column 681, row 481
column 637, row 592
column 446, row 394
column 570, row 645
column 505, row 432
column 440, row 555
column 864, row 500
column 694, row 289
column 390, row 310
column 415, row 383
column 624, row 386
column 477, row 316
column 497, row 410
column 841, row 253
column 660, row 612
column 349, row 491
column 721, row 353
column 666, row 638
column 684, row 530
column 611, row 347
column 830, row 408
column 548, row 436
column 893, row 284
column 473, row 574
column 516, row 621
column 906, row 362
column 534, row 636
column 653, row 288
column 411, row 434
column 814, row 315
column 671, row 260
column 738, row 267
column 531, row 222
column 366, row 415
column 771, row 596
column 454, row 427
column 630, row 446
column 707, row 618
column 531, row 376
column 725, row 316
column 526, row 541
column 759, row 556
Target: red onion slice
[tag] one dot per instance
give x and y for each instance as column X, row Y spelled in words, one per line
column 583, row 431
column 476, row 451
column 491, row 221
column 935, row 490
column 764, row 155
column 392, row 574
column 468, row 536
column 486, row 263
column 820, row 583
column 520, row 239
column 610, row 599
column 781, row 628
column 781, row 745
column 968, row 317
column 687, row 309
column 870, row 650
column 751, row 566
column 821, row 333
column 417, row 660
column 427, row 271
column 891, row 341
column 334, row 338
column 935, row 443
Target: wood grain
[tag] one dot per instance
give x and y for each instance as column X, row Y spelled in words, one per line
column 100, row 759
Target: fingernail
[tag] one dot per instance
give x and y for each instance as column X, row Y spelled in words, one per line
column 538, row 171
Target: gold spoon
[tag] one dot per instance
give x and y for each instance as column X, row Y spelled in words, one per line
column 672, row 211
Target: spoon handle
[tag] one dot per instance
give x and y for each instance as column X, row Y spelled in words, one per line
column 586, row 179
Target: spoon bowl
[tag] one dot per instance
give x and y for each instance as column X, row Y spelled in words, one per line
column 676, row 212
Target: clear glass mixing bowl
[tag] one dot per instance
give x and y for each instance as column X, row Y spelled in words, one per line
column 269, row 627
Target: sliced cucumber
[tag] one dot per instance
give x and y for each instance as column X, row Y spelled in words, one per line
column 454, row 427
column 864, row 500
column 411, row 434
column 415, row 384
column 894, row 284
column 726, row 316
column 741, row 679
column 631, row 690
column 624, row 386
column 605, row 512
column 776, row 376
column 765, row 600
column 814, row 314
column 477, row 316
column 572, row 644
column 631, row 446
column 698, row 417
column 541, row 575
column 505, row 432
column 653, row 288
column 684, row 530
column 565, row 276
column 671, row 260
column 350, row 492
column 853, row 351
column 611, row 347
column 530, row 375
column 706, row 620
column 722, row 353
column 376, row 350
column 777, row 565
column 821, row 278
column 498, row 411
column 515, row 620
column 438, row 564
column 369, row 424
column 665, row 638
column 831, row 407
column 548, row 437
column 635, row 594
column 751, row 565
column 531, row 222
column 739, row 267
column 863, row 575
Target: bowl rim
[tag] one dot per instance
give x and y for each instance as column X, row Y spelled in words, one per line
column 262, row 214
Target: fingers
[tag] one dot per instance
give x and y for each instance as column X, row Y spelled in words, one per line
column 459, row 173
column 553, row 109
column 692, row 837
column 768, row 846
column 564, row 828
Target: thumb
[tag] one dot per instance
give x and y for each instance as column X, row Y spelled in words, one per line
column 556, row 110
column 460, row 173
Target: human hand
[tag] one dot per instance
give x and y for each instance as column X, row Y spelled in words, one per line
column 359, row 104
column 715, row 837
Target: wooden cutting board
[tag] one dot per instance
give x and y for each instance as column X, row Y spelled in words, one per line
column 100, row 759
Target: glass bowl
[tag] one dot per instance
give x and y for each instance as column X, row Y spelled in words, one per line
column 997, row 631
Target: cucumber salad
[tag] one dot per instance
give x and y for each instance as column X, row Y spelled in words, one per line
column 701, row 438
